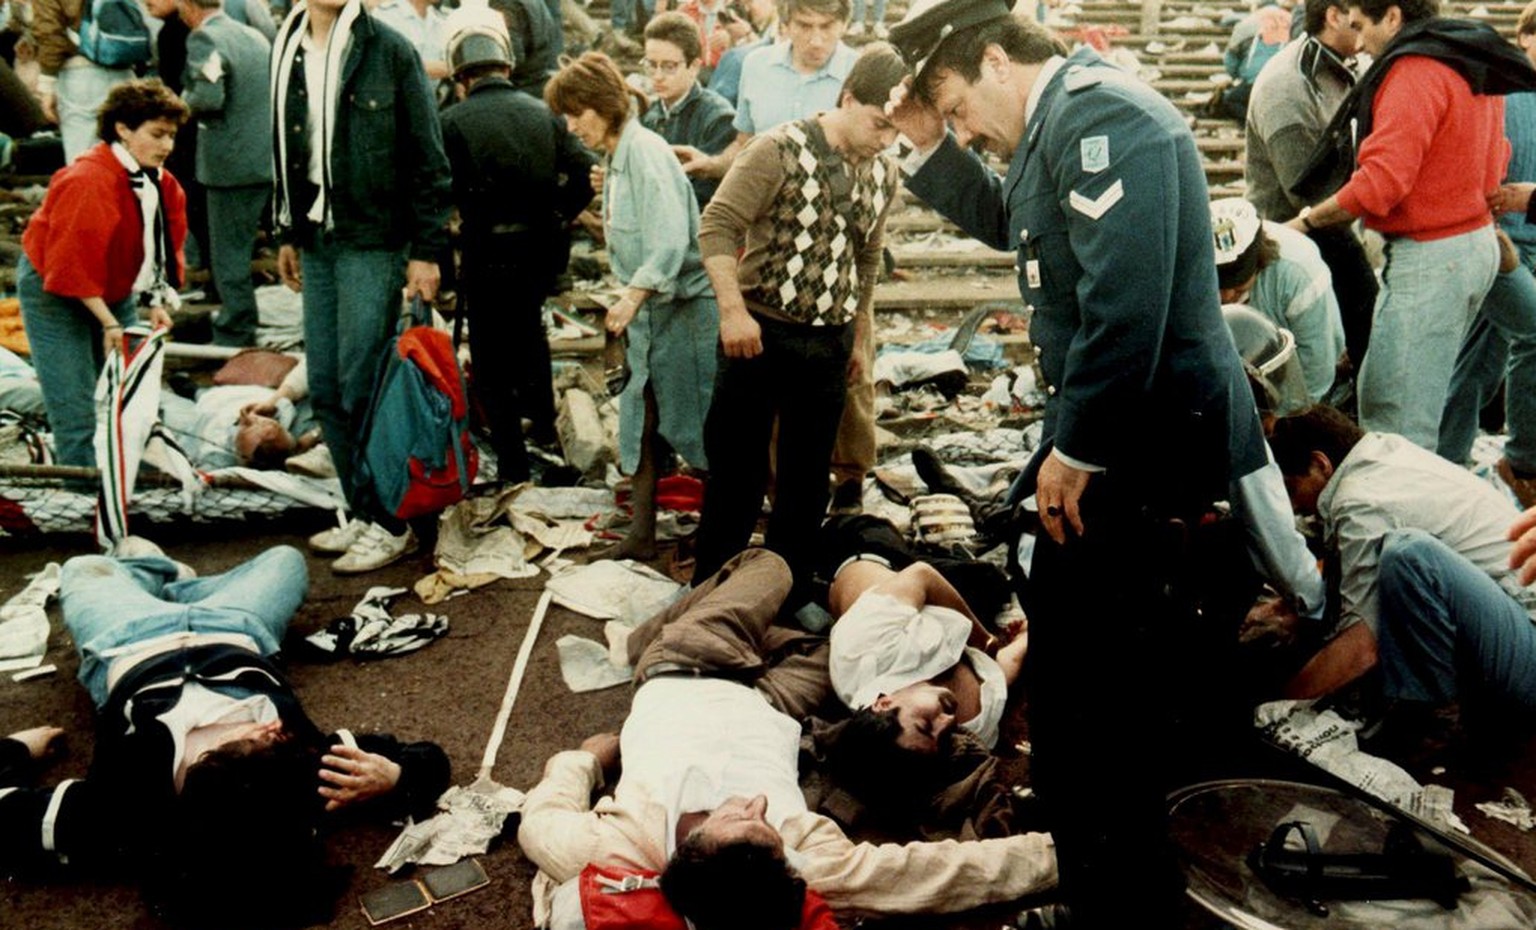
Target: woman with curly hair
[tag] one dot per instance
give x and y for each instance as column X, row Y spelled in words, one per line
column 651, row 223
column 105, row 244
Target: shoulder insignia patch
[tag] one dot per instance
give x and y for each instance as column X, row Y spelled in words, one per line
column 1095, row 153
column 1079, row 78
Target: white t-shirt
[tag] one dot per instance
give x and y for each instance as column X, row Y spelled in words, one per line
column 882, row 644
column 690, row 743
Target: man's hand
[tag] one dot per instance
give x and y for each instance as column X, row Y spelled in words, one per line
column 695, row 163
column 915, row 118
column 1272, row 619
column 49, row 104
column 1523, row 555
column 289, row 269
column 604, row 746
column 1511, row 198
column 353, row 776
column 421, row 278
column 160, row 318
column 1058, row 490
column 596, row 176
column 38, row 740
column 740, row 335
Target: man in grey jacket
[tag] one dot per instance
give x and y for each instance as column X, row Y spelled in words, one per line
column 226, row 88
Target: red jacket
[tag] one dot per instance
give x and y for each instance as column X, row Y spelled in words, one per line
column 87, row 239
column 1434, row 153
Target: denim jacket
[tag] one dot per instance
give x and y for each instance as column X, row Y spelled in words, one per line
column 389, row 173
column 651, row 218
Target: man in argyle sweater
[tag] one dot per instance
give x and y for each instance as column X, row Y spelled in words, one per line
column 807, row 201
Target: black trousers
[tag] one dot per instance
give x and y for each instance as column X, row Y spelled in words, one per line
column 1111, row 615
column 504, row 286
column 800, row 378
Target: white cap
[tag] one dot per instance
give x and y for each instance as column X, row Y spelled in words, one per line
column 477, row 14
column 1234, row 224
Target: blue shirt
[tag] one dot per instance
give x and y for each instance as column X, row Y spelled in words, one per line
column 650, row 217
column 726, row 81
column 773, row 92
column 1520, row 127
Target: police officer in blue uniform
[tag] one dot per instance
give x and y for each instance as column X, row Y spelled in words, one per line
column 1148, row 418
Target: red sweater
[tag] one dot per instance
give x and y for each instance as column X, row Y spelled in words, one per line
column 1434, row 153
column 87, row 239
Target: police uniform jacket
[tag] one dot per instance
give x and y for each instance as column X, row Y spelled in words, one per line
column 1105, row 203
column 516, row 170
column 112, row 820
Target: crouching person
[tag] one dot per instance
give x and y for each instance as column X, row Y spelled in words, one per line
column 710, row 796
column 207, row 772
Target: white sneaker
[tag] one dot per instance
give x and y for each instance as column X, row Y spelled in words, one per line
column 337, row 539
column 856, row 29
column 375, row 548
column 881, row 30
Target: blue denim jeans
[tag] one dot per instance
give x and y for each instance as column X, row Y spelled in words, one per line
column 1501, row 342
column 82, row 89
column 858, row 11
column 111, row 603
column 351, row 306
column 1430, row 293
column 620, row 12
column 67, row 356
column 1447, row 631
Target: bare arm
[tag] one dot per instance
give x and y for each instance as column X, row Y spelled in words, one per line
column 1346, row 657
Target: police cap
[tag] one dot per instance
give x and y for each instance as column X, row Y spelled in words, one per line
column 929, row 22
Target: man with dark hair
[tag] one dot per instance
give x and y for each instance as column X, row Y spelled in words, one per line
column 519, row 179
column 206, row 769
column 685, row 112
column 361, row 206
column 1293, row 99
column 1431, row 98
column 1135, row 356
column 710, row 780
column 905, row 644
column 1426, row 588
column 804, row 208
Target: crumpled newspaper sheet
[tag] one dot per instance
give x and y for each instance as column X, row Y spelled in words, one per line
column 623, row 590
column 24, row 621
column 626, row 594
column 466, row 823
column 1327, row 740
column 371, row 631
column 1513, row 809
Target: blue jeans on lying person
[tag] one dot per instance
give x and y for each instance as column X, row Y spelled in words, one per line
column 109, row 604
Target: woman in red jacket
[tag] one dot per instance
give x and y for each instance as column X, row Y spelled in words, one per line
column 105, row 243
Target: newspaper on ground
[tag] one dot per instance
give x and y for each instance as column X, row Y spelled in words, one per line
column 1327, row 740
column 24, row 621
column 466, row 823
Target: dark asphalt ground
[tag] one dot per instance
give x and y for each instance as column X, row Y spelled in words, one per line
column 448, row 692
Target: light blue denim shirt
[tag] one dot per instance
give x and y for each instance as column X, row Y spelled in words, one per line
column 773, row 92
column 650, row 217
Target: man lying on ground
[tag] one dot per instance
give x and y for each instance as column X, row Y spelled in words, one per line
column 207, row 773
column 239, row 424
column 912, row 661
column 710, row 793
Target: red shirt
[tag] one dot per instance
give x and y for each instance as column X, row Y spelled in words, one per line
column 87, row 239
column 1435, row 152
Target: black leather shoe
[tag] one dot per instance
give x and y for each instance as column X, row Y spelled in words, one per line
column 1045, row 917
